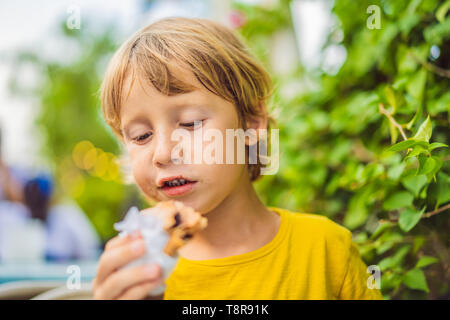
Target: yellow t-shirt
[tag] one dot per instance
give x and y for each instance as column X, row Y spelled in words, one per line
column 310, row 257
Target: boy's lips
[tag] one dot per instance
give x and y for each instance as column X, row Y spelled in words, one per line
column 161, row 182
column 178, row 190
column 175, row 185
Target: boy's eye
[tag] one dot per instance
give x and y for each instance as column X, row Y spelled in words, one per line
column 192, row 125
column 143, row 137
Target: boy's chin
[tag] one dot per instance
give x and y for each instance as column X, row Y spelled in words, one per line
column 193, row 204
column 196, row 200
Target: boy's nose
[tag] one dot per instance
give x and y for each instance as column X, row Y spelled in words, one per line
column 163, row 150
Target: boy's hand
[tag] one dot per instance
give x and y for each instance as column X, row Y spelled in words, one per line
column 130, row 283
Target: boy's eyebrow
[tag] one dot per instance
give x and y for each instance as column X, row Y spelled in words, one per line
column 187, row 104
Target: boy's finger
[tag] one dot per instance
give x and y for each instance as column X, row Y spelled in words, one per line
column 121, row 280
column 115, row 258
column 116, row 241
column 119, row 241
column 140, row 291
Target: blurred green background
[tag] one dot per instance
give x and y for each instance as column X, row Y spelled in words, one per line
column 363, row 124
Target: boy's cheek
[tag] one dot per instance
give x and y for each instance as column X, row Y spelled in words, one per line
column 140, row 159
column 146, row 185
column 132, row 151
column 142, row 173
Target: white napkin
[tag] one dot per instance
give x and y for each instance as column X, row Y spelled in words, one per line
column 155, row 237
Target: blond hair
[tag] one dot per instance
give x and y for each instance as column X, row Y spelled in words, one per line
column 212, row 52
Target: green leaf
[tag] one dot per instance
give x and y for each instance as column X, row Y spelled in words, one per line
column 437, row 33
column 443, row 194
column 393, row 131
column 391, row 99
column 416, row 85
column 384, row 247
column 390, row 280
column 417, row 150
column 425, row 131
column 396, row 171
column 400, row 83
column 425, row 261
column 398, row 200
column 428, row 166
column 360, row 237
column 409, row 218
column 419, row 241
column 442, row 11
column 414, row 183
column 416, row 88
column 387, row 241
column 433, row 167
column 394, row 260
column 436, row 145
column 422, row 158
column 408, row 144
column 381, row 228
column 406, row 64
column 402, row 145
column 423, row 193
column 415, row 279
column 357, row 209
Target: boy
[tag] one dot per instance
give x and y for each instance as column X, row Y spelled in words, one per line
column 193, row 74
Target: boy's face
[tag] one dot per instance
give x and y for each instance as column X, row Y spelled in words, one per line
column 148, row 119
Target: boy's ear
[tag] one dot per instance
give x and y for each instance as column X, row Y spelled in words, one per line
column 256, row 123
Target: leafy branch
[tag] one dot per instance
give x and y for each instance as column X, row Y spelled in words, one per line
column 431, row 67
column 425, row 215
column 392, row 120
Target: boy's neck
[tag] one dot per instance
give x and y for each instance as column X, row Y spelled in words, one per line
column 241, row 223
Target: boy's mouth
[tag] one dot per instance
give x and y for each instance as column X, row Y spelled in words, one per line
column 175, row 186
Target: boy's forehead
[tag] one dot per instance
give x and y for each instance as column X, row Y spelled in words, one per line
column 143, row 95
column 176, row 72
column 138, row 90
